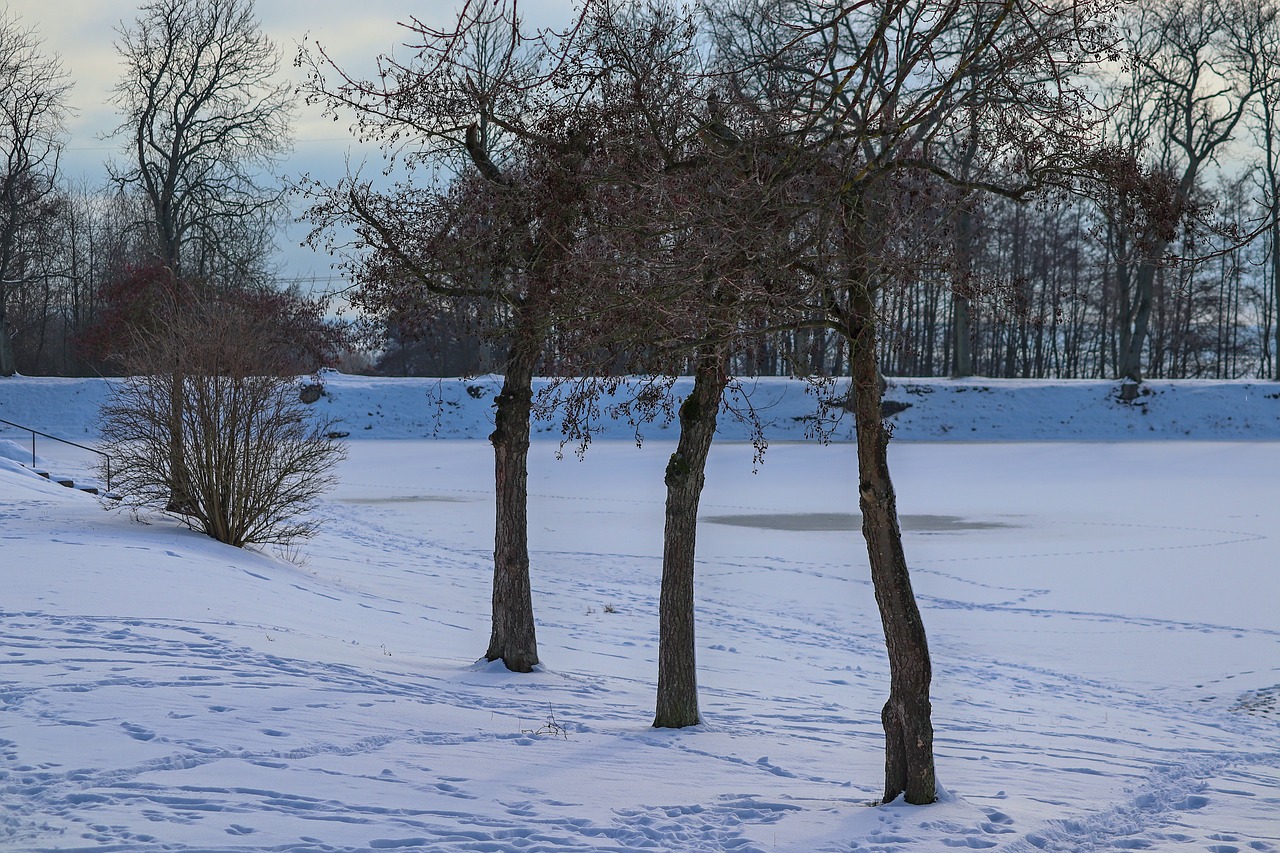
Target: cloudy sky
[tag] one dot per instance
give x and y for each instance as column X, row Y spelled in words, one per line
column 83, row 32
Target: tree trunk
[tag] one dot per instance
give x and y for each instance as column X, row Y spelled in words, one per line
column 677, row 704
column 1272, row 169
column 513, row 639
column 962, row 334
column 1136, row 305
column 181, row 498
column 961, row 314
column 1135, row 308
column 908, row 729
column 7, row 365
column 1275, row 288
column 8, row 236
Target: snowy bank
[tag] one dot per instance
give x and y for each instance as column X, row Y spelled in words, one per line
column 926, row 409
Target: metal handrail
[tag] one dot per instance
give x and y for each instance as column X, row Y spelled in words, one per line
column 35, row 432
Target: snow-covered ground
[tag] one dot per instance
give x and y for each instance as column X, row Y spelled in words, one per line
column 1104, row 616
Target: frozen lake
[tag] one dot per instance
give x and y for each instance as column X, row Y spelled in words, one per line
column 1103, row 620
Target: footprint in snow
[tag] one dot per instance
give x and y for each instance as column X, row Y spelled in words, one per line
column 137, row 732
column 972, row 842
column 997, row 823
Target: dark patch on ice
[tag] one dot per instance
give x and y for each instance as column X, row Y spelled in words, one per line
column 805, row 521
column 406, row 499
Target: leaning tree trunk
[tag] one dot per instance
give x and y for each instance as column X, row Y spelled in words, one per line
column 908, row 728
column 1136, row 318
column 677, row 704
column 513, row 640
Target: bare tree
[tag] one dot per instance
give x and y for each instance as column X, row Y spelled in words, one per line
column 510, row 109
column 696, row 229
column 254, row 459
column 895, row 95
column 1255, row 43
column 201, row 115
column 736, row 252
column 1183, row 81
column 203, row 118
column 33, row 110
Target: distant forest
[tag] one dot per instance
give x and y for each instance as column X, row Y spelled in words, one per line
column 1055, row 315
column 1054, row 310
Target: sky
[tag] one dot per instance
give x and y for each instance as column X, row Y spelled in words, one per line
column 83, row 32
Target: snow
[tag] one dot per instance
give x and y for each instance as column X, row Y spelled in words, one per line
column 1101, row 611
column 940, row 409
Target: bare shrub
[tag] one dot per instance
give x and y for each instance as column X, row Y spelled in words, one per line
column 204, row 413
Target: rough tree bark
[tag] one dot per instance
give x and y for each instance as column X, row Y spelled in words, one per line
column 909, row 767
column 677, row 703
column 513, row 639
column 1135, row 318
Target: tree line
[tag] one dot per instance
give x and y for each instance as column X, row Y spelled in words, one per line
column 204, row 122
column 1054, row 290
column 1065, row 287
